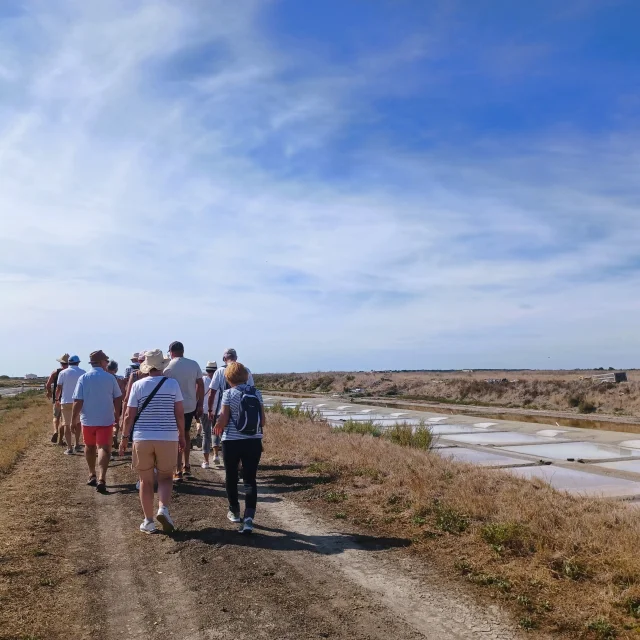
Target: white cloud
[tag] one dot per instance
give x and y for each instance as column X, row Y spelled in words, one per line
column 142, row 202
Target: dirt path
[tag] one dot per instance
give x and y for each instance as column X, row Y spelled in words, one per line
column 73, row 565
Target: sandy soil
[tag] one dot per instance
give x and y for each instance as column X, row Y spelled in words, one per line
column 74, row 565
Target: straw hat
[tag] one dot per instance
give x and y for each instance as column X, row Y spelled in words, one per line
column 63, row 359
column 154, row 360
column 135, row 355
column 211, row 364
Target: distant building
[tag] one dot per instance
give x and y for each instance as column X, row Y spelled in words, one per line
column 31, row 376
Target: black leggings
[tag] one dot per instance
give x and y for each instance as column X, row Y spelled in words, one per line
column 248, row 452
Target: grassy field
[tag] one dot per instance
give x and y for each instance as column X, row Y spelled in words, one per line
column 22, row 418
column 563, row 564
column 564, row 391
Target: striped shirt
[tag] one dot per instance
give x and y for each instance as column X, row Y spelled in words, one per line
column 158, row 420
column 231, row 398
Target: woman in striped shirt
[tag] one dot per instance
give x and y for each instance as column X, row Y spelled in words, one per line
column 156, row 417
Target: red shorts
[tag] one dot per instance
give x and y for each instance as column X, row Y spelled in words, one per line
column 97, row 436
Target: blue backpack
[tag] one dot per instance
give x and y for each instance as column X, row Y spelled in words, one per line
column 250, row 415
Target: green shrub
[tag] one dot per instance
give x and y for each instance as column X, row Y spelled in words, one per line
column 366, row 428
column 450, row 520
column 602, row 629
column 510, row 536
column 404, row 435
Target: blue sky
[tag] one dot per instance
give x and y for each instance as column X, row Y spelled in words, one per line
column 322, row 184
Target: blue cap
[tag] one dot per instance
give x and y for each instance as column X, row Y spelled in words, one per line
column 74, row 360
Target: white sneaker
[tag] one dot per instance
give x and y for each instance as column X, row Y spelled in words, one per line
column 148, row 526
column 216, row 460
column 165, row 520
column 205, row 465
column 232, row 517
column 68, row 452
column 247, row 526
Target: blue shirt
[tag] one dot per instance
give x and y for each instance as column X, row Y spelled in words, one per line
column 98, row 389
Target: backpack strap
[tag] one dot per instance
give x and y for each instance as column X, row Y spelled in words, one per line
column 145, row 404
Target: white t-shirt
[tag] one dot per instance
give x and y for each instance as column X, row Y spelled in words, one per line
column 67, row 379
column 207, row 390
column 158, row 420
column 219, row 384
column 186, row 372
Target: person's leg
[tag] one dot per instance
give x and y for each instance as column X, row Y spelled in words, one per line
column 188, row 419
column 165, row 456
column 104, row 437
column 143, row 461
column 77, row 428
column 56, row 423
column 231, row 457
column 90, row 457
column 66, row 418
column 216, row 449
column 250, row 456
column 147, row 478
column 206, row 437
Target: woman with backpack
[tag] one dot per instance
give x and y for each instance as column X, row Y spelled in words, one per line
column 241, row 424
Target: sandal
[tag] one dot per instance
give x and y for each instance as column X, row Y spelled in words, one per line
column 101, row 487
column 92, row 481
column 187, row 471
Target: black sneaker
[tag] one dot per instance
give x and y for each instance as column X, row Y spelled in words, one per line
column 54, row 437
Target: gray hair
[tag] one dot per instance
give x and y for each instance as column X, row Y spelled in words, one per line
column 230, row 353
column 112, row 366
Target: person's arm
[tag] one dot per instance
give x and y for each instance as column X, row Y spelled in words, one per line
column 263, row 419
column 125, row 402
column 49, row 384
column 178, row 410
column 199, row 396
column 59, row 390
column 223, row 420
column 213, row 389
column 129, row 417
column 75, row 413
column 117, row 407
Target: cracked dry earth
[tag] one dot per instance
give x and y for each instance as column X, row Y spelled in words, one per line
column 74, row 565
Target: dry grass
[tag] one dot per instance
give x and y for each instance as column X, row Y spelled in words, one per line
column 564, row 564
column 23, row 418
column 563, row 391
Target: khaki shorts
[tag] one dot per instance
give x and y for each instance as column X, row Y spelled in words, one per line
column 160, row 454
column 67, row 410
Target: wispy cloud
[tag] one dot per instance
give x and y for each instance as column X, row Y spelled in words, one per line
column 180, row 170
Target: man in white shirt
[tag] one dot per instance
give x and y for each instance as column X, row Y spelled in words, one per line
column 67, row 381
column 219, row 385
column 189, row 376
column 207, row 426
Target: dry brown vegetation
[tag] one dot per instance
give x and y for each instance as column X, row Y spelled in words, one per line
column 22, row 418
column 563, row 564
column 549, row 390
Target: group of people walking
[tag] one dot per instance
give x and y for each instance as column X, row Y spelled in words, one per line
column 153, row 408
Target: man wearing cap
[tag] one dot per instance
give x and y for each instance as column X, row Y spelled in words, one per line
column 219, row 385
column 189, row 376
column 210, row 369
column 67, row 381
column 50, row 386
column 97, row 404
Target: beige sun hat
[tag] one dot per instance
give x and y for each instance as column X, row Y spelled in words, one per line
column 63, row 359
column 154, row 359
column 211, row 364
